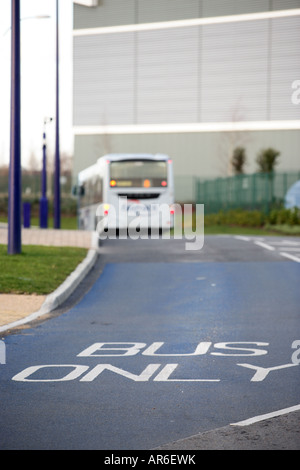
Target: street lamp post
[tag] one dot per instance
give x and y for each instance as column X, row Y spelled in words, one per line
column 14, row 191
column 44, row 199
column 14, row 245
column 56, row 202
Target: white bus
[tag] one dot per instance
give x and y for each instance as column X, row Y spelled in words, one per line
column 123, row 189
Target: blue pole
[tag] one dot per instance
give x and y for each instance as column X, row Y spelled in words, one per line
column 44, row 171
column 56, row 222
column 14, row 189
column 44, row 200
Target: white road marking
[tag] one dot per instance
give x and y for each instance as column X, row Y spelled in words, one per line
column 264, row 245
column 256, row 419
column 262, row 372
column 239, row 237
column 287, row 245
column 292, row 257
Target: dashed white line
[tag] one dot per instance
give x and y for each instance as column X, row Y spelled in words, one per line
column 256, row 419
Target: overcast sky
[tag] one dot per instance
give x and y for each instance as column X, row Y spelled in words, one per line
column 37, row 76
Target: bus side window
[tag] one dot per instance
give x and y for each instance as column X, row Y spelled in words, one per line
column 78, row 190
column 81, row 192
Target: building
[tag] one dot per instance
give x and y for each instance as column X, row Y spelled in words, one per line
column 190, row 78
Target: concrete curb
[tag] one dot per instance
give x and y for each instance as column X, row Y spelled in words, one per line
column 273, row 431
column 57, row 297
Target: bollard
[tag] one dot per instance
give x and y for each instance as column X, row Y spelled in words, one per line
column 26, row 214
column 43, row 212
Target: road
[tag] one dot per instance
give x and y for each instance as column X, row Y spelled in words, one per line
column 160, row 344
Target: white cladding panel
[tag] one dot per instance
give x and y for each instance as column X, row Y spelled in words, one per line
column 239, row 71
column 167, row 74
column 104, row 79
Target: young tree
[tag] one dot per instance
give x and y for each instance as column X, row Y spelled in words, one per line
column 238, row 160
column 267, row 159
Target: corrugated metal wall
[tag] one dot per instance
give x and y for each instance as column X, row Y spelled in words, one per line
column 212, row 73
column 216, row 73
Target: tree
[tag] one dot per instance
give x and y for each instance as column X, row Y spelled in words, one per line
column 238, row 160
column 267, row 159
column 235, row 138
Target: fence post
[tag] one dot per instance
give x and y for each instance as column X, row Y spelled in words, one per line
column 285, row 184
column 253, row 191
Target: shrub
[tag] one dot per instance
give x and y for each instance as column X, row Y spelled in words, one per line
column 267, row 159
column 238, row 217
column 284, row 217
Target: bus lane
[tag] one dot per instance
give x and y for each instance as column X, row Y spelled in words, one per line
column 158, row 351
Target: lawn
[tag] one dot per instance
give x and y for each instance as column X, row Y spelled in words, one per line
column 38, row 269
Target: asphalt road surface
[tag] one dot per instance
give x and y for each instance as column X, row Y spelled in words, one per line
column 163, row 348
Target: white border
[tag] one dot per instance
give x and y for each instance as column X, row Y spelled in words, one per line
column 189, row 22
column 188, row 127
column 87, row 3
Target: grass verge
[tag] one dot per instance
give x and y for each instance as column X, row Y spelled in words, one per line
column 284, row 229
column 38, row 269
column 267, row 230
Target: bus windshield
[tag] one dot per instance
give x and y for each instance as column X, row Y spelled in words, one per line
column 138, row 173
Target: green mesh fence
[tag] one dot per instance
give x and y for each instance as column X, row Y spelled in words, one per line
column 259, row 191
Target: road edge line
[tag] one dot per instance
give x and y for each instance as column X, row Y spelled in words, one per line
column 183, row 444
column 273, row 414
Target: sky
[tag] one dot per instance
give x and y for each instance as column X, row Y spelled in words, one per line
column 38, row 86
